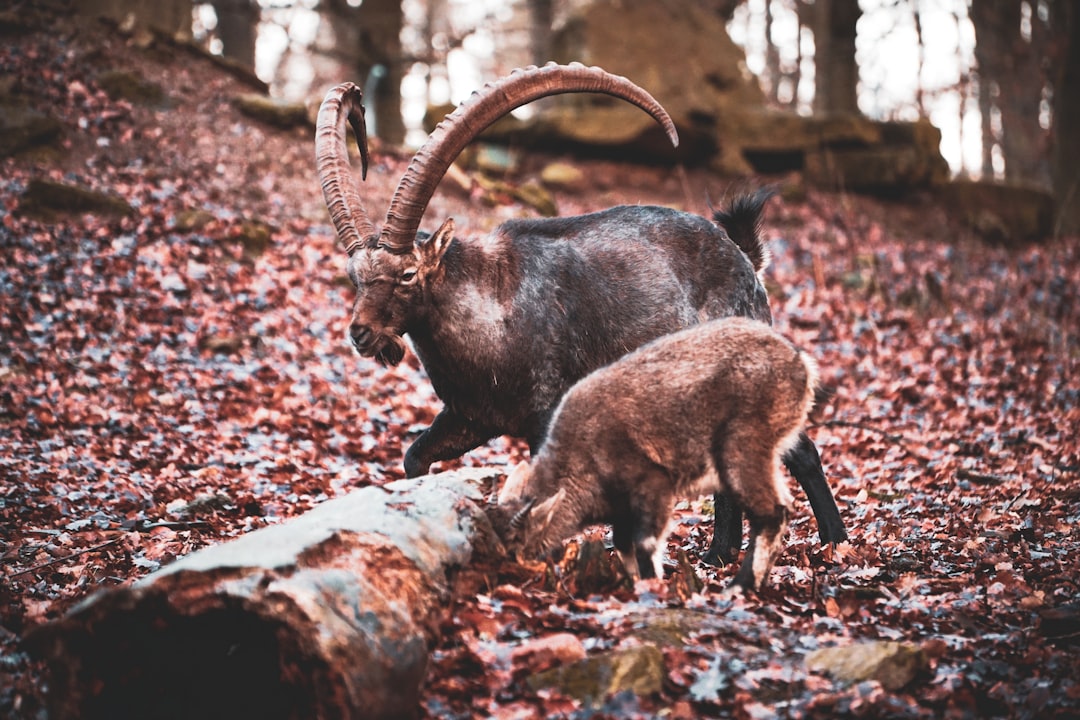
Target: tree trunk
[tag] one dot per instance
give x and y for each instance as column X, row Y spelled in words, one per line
column 772, row 56
column 837, row 78
column 238, row 22
column 1066, row 122
column 541, row 22
column 330, row 615
column 368, row 38
column 1012, row 62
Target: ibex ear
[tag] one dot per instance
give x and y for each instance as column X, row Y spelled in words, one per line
column 542, row 515
column 514, row 487
column 432, row 249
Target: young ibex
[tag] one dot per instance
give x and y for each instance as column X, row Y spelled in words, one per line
column 708, row 408
column 505, row 324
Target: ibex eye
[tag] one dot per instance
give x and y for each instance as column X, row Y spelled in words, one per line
column 408, row 276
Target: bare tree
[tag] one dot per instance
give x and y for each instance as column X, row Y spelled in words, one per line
column 368, row 38
column 1010, row 47
column 541, row 19
column 837, row 76
column 1065, row 17
column 238, row 22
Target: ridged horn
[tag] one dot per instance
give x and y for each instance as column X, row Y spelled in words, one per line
column 518, row 520
column 341, row 104
column 484, row 107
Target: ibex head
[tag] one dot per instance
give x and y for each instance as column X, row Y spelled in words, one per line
column 394, row 269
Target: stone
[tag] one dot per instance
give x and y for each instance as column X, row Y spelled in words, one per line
column 272, row 111
column 895, row 665
column 127, row 85
column 22, row 128
column 639, row 670
column 635, row 40
column 192, row 220
column 45, row 199
column 563, row 176
column 908, row 157
column 1002, row 214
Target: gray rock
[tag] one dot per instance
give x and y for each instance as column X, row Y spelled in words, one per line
column 637, row 669
column 895, row 665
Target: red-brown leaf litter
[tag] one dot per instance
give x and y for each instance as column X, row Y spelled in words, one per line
column 178, row 376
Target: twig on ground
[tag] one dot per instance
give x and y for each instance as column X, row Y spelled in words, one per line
column 55, row 560
column 860, row 426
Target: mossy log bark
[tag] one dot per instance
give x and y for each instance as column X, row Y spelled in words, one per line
column 330, row 615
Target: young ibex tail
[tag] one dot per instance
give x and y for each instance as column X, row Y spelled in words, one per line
column 709, row 408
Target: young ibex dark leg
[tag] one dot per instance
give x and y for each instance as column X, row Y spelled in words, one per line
column 750, row 476
column 804, row 463
column 767, row 532
column 450, row 436
column 622, row 537
column 727, row 532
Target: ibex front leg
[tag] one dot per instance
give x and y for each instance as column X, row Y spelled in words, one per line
column 450, row 436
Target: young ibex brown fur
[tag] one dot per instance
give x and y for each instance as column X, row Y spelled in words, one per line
column 712, row 407
column 505, row 323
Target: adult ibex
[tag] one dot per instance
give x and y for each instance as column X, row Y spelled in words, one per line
column 708, row 408
column 505, row 324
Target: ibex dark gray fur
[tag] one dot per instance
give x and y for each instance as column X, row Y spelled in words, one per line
column 505, row 324
column 710, row 408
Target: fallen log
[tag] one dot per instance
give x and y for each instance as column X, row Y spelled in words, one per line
column 330, row 615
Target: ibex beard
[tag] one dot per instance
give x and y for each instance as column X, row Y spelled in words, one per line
column 711, row 408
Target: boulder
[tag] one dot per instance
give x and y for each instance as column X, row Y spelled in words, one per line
column 895, row 665
column 907, row 157
column 130, row 86
column 23, row 128
column 46, row 199
column 273, row 111
column 639, row 670
column 635, row 39
column 1002, row 214
column 717, row 105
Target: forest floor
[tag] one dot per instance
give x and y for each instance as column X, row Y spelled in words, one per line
column 179, row 376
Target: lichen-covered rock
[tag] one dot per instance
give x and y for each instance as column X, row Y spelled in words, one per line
column 639, row 670
column 1002, row 214
column 23, row 128
column 908, row 157
column 895, row 665
column 45, row 199
column 272, row 111
column 130, row 86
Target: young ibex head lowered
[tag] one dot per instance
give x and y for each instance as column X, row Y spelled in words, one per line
column 709, row 408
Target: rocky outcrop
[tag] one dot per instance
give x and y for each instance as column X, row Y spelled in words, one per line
column 682, row 54
column 1002, row 214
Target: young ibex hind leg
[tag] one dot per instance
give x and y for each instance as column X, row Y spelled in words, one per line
column 753, row 482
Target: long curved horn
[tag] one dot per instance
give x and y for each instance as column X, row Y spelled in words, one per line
column 484, row 107
column 332, row 160
column 518, row 520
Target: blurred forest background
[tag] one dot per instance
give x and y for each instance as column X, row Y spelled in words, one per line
column 998, row 78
